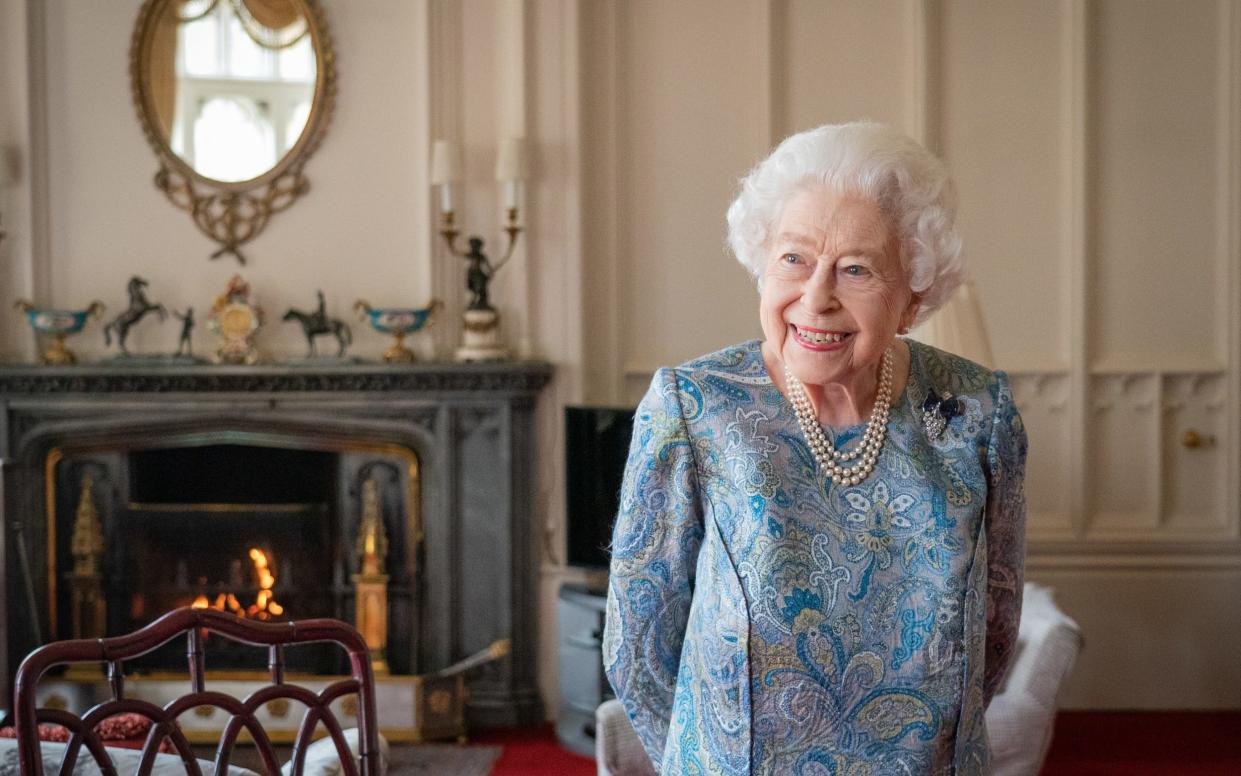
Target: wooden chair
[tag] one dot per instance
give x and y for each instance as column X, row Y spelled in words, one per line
column 194, row 623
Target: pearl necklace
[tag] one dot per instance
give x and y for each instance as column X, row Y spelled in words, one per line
column 831, row 459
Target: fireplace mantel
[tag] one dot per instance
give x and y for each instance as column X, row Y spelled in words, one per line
column 522, row 377
column 470, row 427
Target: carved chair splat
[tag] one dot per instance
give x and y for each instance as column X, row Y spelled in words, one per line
column 195, row 624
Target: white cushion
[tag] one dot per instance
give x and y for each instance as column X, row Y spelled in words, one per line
column 1022, row 715
column 322, row 759
column 618, row 750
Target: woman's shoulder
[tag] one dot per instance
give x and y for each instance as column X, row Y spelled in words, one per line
column 710, row 383
column 744, row 360
column 948, row 373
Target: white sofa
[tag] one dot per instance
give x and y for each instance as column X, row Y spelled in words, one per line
column 1020, row 719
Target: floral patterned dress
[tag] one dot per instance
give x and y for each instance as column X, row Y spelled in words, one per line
column 764, row 620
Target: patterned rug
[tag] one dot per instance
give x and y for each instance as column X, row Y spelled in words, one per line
column 447, row 759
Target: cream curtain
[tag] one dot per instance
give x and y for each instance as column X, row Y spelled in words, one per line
column 274, row 14
column 272, row 24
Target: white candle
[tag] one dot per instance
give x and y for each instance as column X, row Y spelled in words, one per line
column 511, row 166
column 445, row 170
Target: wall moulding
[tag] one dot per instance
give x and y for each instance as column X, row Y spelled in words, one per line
column 1230, row 241
column 1160, row 444
column 1049, row 390
column 1193, row 366
column 1130, row 556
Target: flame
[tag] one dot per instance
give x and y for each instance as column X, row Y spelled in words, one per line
column 267, row 580
column 264, row 606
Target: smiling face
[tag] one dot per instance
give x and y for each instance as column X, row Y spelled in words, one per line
column 834, row 293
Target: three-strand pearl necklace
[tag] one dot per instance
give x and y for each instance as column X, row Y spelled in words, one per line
column 834, row 461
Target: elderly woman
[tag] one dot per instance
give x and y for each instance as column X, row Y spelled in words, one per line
column 817, row 563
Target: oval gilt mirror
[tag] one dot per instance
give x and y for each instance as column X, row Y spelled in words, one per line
column 234, row 96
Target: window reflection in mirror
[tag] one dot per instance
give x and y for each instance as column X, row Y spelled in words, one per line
column 244, row 80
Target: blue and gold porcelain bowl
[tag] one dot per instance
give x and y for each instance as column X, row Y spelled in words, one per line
column 399, row 322
column 57, row 324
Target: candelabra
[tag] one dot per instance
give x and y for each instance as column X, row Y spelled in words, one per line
column 481, row 336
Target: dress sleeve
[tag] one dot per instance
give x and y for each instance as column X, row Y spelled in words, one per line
column 1005, row 524
column 655, row 547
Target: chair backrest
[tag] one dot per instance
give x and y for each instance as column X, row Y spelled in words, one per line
column 194, row 624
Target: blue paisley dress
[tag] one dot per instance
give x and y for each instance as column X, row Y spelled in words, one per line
column 764, row 620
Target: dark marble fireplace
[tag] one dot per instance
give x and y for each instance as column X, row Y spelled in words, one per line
column 247, row 488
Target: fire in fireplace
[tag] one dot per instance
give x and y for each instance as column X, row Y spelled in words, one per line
column 266, row 532
column 265, row 606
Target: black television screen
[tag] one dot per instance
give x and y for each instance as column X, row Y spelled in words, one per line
column 596, row 446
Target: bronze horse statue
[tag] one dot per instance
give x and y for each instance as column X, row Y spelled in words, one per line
column 139, row 306
column 316, row 323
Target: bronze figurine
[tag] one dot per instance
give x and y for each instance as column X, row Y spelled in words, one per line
column 184, row 348
column 318, row 322
column 139, row 306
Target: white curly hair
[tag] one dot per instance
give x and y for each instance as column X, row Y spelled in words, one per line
column 866, row 159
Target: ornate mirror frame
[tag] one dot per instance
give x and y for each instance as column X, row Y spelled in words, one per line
column 233, row 213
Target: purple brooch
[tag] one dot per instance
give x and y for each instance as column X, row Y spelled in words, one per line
column 937, row 411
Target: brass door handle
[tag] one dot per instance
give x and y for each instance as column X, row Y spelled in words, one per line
column 1192, row 439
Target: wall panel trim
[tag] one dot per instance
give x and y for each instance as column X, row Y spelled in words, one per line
column 514, row 95
column 38, row 174
column 771, row 67
column 1230, row 205
column 1073, row 30
column 1127, row 560
column 613, row 199
column 445, row 56
column 923, row 78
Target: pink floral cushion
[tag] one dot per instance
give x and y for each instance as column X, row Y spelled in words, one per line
column 128, row 730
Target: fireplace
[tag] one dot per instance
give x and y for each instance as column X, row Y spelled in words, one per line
column 264, row 531
column 396, row 498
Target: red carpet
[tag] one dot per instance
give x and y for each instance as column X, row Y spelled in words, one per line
column 534, row 753
column 1142, row 743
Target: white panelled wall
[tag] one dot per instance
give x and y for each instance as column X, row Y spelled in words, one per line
column 1095, row 146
